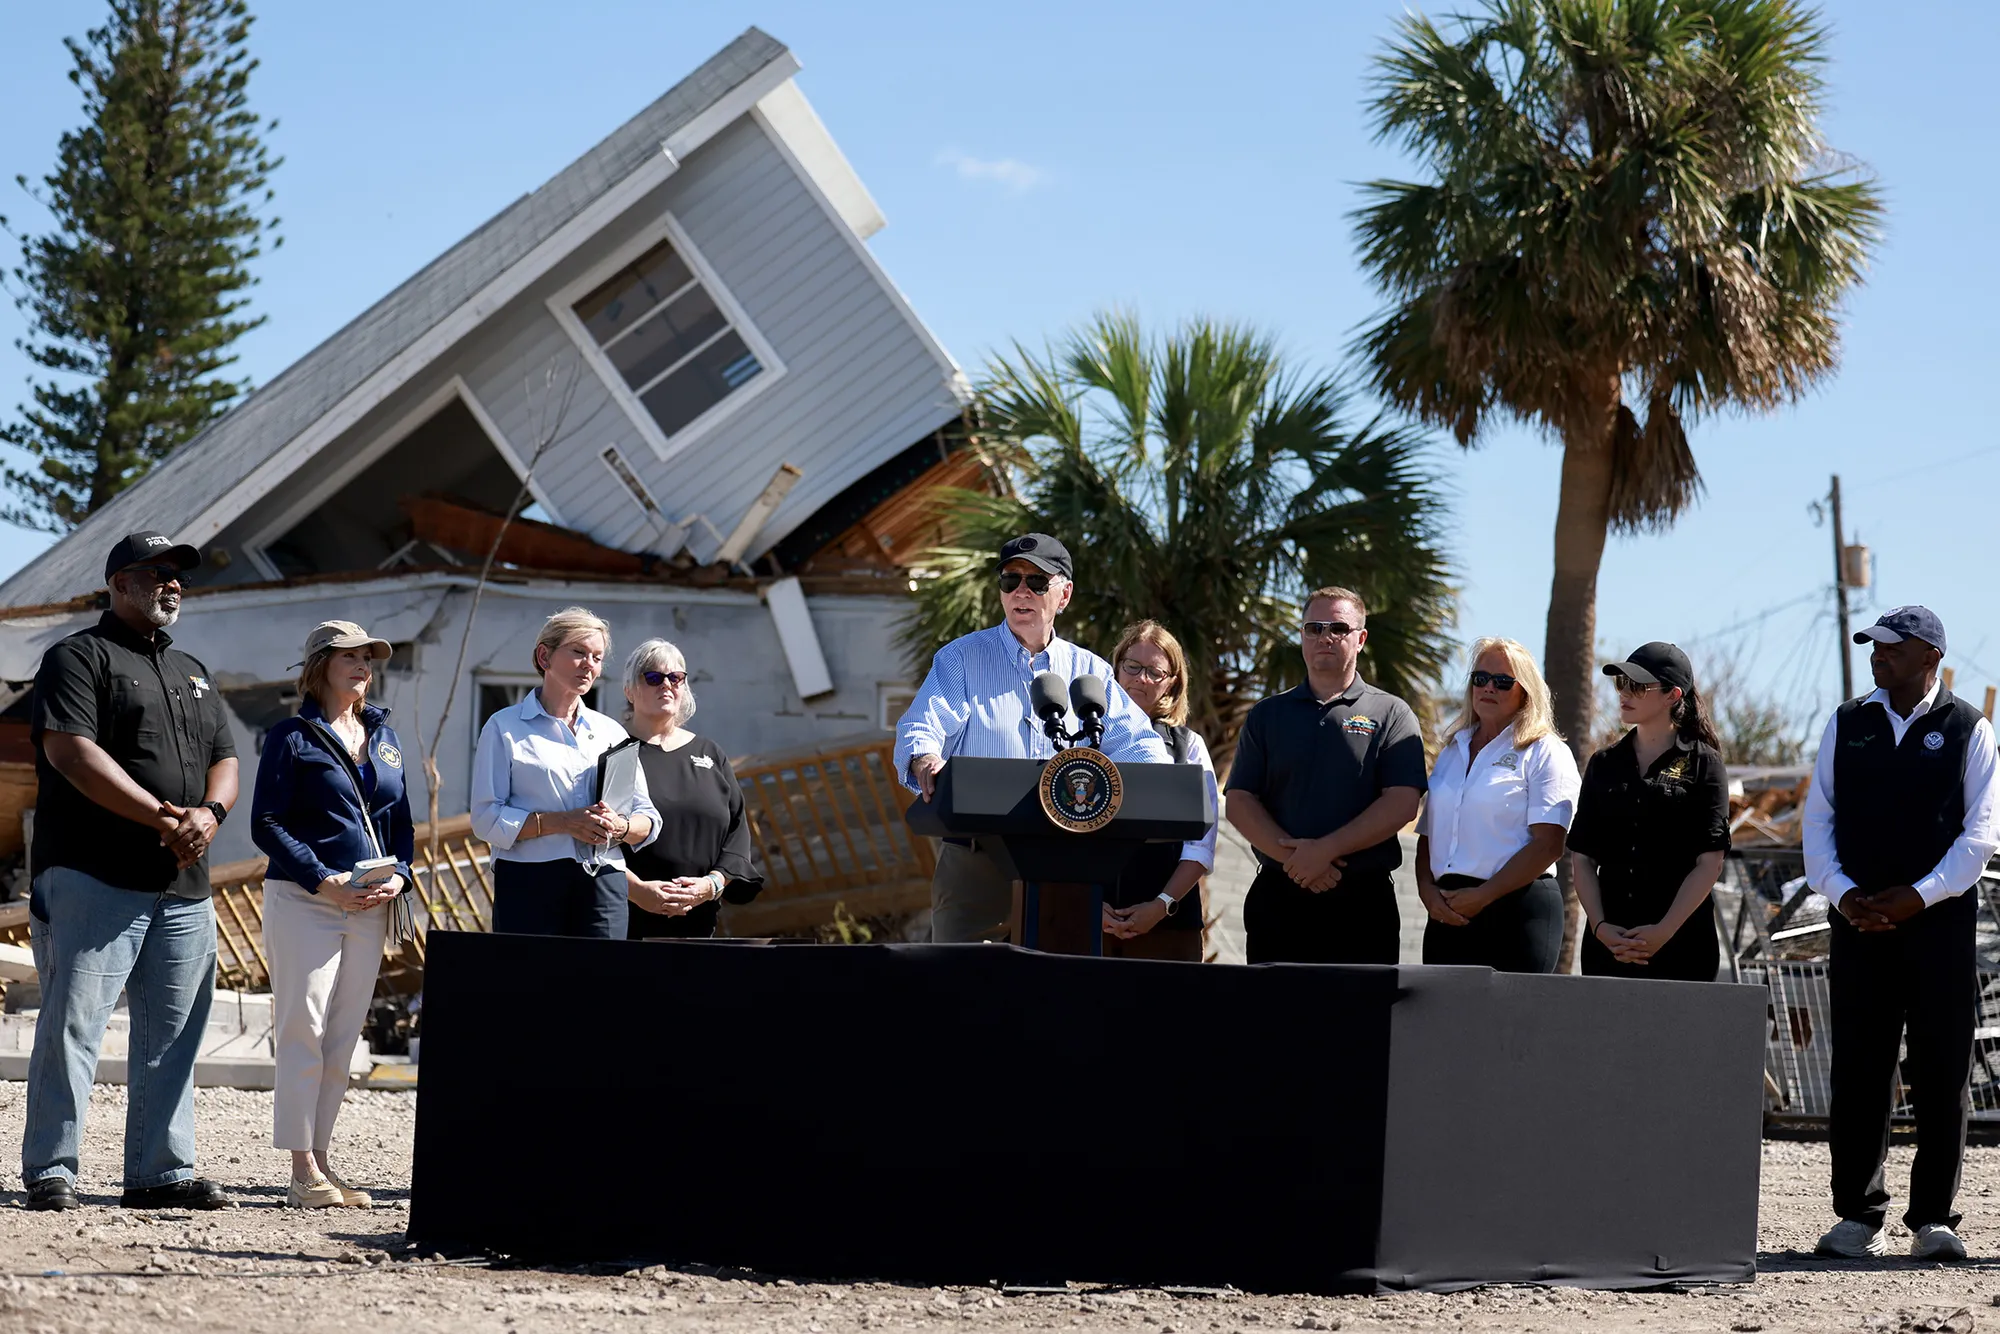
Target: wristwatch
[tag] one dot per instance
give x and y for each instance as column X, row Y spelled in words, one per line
column 218, row 810
column 1171, row 902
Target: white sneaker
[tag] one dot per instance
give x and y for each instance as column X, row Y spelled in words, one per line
column 1935, row 1241
column 1853, row 1240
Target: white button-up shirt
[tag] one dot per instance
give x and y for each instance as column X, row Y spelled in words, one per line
column 1480, row 806
column 1960, row 867
column 529, row 761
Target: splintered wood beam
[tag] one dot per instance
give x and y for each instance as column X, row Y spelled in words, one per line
column 536, row 546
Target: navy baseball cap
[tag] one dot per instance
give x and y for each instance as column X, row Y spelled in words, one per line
column 1899, row 623
column 1041, row 551
column 146, row 548
column 1656, row 663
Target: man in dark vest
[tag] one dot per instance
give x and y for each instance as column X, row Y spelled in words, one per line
column 1899, row 825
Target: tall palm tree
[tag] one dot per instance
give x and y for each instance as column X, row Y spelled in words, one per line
column 1200, row 481
column 1628, row 219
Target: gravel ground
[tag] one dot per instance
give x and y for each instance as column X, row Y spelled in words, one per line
column 262, row 1267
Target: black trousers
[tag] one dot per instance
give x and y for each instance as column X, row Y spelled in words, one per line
column 1520, row 933
column 1918, row 983
column 1354, row 922
column 558, row 899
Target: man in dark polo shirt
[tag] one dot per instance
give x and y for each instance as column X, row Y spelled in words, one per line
column 136, row 770
column 1325, row 776
column 1899, row 825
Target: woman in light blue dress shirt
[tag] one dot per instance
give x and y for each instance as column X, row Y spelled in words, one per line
column 558, row 863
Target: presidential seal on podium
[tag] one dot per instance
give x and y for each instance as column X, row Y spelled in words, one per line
column 1081, row 790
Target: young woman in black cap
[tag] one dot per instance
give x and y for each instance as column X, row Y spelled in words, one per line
column 1651, row 828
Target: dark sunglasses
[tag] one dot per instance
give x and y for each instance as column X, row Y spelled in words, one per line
column 1326, row 629
column 159, row 574
column 676, row 679
column 1627, row 686
column 1038, row 584
column 1498, row 680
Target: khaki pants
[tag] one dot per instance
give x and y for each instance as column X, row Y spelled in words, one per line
column 323, row 967
column 971, row 897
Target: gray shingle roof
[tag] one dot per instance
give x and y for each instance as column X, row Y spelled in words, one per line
column 203, row 470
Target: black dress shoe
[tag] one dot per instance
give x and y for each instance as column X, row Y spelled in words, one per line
column 193, row 1193
column 53, row 1193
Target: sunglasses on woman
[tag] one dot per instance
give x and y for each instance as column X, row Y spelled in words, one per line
column 1627, row 686
column 1038, row 584
column 675, row 679
column 1498, row 680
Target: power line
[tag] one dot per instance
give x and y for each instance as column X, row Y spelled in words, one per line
column 1759, row 618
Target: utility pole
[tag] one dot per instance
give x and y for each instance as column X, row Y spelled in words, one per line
column 1840, row 594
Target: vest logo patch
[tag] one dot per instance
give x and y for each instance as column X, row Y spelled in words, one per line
column 1862, row 741
column 1360, row 725
column 1935, row 741
column 389, row 755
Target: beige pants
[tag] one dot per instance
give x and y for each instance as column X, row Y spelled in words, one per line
column 323, row 967
column 971, row 897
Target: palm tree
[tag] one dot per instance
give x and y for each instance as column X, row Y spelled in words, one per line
column 1202, row 482
column 1628, row 209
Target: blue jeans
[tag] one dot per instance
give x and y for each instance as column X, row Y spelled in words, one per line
column 91, row 942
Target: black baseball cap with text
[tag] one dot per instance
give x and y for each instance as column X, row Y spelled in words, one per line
column 1657, row 663
column 1041, row 551
column 1899, row 623
column 145, row 549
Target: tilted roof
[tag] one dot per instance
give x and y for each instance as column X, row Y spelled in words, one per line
column 203, row 470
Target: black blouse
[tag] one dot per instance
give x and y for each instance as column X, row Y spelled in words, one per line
column 702, row 829
column 1645, row 831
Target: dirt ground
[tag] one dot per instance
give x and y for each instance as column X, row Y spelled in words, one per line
column 262, row 1267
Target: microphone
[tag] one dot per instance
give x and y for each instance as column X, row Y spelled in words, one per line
column 1049, row 697
column 1086, row 696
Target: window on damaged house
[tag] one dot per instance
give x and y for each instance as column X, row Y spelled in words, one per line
column 663, row 332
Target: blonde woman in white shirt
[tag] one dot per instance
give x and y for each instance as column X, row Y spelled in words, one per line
column 1501, row 799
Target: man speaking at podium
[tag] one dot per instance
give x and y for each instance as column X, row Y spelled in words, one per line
column 976, row 702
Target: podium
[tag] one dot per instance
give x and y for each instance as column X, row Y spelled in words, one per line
column 999, row 805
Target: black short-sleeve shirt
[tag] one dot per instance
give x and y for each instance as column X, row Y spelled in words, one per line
column 1644, row 831
column 1316, row 766
column 702, row 829
column 152, row 708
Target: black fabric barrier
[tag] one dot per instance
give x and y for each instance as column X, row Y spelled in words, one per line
column 945, row 1113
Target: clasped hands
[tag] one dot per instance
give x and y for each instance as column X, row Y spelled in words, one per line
column 1882, row 910
column 675, row 897
column 334, row 890
column 1632, row 944
column 1131, row 923
column 1311, row 863
column 185, row 831
column 1453, row 907
column 596, row 824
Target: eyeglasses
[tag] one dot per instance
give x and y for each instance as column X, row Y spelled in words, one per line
column 1132, row 667
column 675, row 679
column 1326, row 630
column 1627, row 686
column 1498, row 680
column 1038, row 584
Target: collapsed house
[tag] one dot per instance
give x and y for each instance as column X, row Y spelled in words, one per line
column 724, row 413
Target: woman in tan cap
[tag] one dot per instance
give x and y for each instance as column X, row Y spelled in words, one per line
column 332, row 812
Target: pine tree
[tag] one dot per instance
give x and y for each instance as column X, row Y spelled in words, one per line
column 135, row 297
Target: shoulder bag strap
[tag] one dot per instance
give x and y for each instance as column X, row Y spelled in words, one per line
column 323, row 736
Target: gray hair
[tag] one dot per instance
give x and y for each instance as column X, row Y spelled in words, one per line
column 658, row 655
column 567, row 624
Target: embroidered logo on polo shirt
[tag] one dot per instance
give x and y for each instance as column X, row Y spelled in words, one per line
column 389, row 755
column 701, row 761
column 1511, row 760
column 200, row 684
column 1935, row 741
column 1360, row 724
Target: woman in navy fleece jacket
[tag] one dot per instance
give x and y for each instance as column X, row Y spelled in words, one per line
column 330, row 794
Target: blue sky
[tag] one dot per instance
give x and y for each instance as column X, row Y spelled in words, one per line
column 1038, row 161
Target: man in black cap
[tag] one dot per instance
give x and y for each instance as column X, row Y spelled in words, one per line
column 975, row 702
column 136, row 770
column 1899, row 824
